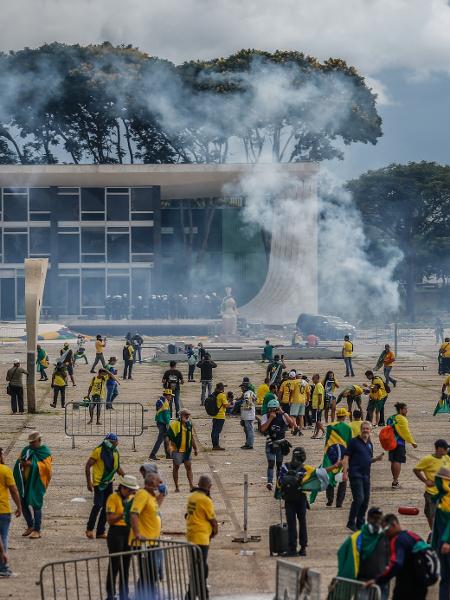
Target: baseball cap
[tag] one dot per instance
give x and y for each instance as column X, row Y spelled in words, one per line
column 16, row 361
column 167, row 393
column 292, row 374
column 112, row 437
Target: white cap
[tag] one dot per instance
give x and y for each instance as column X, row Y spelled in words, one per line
column 292, row 374
column 16, row 361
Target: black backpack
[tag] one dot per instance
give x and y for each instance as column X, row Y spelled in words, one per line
column 290, row 486
column 211, row 405
column 427, row 568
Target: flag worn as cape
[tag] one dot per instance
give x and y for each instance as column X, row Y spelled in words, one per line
column 110, row 457
column 314, row 480
column 380, row 361
column 32, row 481
column 359, row 546
column 443, row 406
column 441, row 525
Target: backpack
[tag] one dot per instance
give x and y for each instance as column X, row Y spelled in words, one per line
column 290, row 486
column 426, row 563
column 211, row 405
column 387, row 438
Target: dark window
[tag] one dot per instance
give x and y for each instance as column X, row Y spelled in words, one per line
column 44, row 216
column 117, row 190
column 15, row 207
column 93, row 240
column 143, row 199
column 171, row 218
column 68, row 208
column 118, row 247
column 92, row 216
column 118, row 208
column 142, row 216
column 118, row 284
column 69, row 247
column 142, row 239
column 93, row 287
column 20, row 295
column 39, row 240
column 40, row 199
column 93, row 199
column 16, row 247
column 93, row 258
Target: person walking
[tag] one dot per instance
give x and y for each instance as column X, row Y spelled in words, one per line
column 274, row 370
column 182, row 443
column 347, row 354
column 118, row 534
column 201, row 521
column 267, row 353
column 137, row 340
column 15, row 386
column 104, row 462
column 440, row 538
column 66, row 357
column 248, row 414
column 330, row 385
column 337, row 439
column 356, row 466
column 274, row 425
column 59, row 383
column 7, row 487
column 32, row 474
column 218, row 420
column 388, row 362
column 128, row 356
column 112, row 383
column 397, row 457
column 439, row 331
column 426, row 470
column 162, row 419
column 206, row 366
column 377, row 398
column 100, row 344
column 317, row 405
column 81, row 350
column 173, row 380
column 97, row 394
column 42, row 362
column 192, row 362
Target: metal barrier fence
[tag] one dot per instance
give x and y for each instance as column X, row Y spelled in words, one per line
column 172, row 570
column 296, row 583
column 126, row 420
column 350, row 589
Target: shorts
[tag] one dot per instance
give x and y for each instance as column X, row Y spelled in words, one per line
column 316, row 415
column 398, row 455
column 357, row 400
column 430, row 506
column 297, row 410
column 179, row 458
column 69, row 369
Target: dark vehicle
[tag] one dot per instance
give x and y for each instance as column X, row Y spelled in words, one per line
column 324, row 327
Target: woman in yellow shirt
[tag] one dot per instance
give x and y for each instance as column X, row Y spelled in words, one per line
column 59, row 383
column 218, row 420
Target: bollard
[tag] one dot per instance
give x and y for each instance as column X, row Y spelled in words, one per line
column 246, row 538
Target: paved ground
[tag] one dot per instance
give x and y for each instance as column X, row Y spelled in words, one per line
column 230, row 573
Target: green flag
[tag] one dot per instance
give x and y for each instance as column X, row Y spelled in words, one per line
column 443, row 406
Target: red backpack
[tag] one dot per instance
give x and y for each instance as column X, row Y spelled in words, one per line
column 387, row 438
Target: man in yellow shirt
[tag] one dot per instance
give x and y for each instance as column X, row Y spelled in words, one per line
column 182, row 443
column 7, row 486
column 100, row 344
column 347, row 353
column 446, row 386
column 201, row 522
column 426, row 470
column 377, row 397
column 317, row 404
column 97, row 393
column 355, row 424
column 444, row 357
column 218, row 420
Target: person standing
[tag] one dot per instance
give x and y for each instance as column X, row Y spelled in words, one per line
column 248, row 414
column 59, row 383
column 444, row 357
column 285, row 391
column 100, row 344
column 347, row 354
column 201, row 351
column 42, row 362
column 182, row 444
column 137, row 340
column 7, row 487
column 426, row 470
column 128, row 356
column 338, row 436
column 173, row 380
column 105, row 463
column 440, row 538
column 267, row 353
column 32, row 474
column 118, row 534
column 330, row 385
column 206, row 366
column 439, row 330
column 274, row 425
column 66, row 357
column 201, row 521
column 274, row 370
column 97, row 394
column 397, row 457
column 192, row 361
column 356, row 464
column 81, row 350
column 112, row 383
column 162, row 419
column 15, row 386
column 218, row 420
column 317, row 405
column 356, row 423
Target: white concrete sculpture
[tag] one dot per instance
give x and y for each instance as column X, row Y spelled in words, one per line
column 229, row 314
column 35, row 274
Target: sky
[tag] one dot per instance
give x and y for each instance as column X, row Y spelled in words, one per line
column 401, row 46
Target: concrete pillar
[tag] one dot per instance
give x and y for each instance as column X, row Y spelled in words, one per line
column 35, row 273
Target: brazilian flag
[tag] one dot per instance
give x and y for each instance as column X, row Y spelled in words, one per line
column 443, row 406
column 32, row 481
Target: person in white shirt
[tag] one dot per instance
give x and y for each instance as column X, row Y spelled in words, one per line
column 248, row 410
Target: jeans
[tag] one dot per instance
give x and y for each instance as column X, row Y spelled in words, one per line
column 191, row 370
column 217, row 426
column 348, row 366
column 444, row 585
column 162, row 437
column 5, row 522
column 16, row 398
column 137, row 352
column 33, row 521
column 387, row 376
column 118, row 542
column 98, row 358
column 42, row 372
column 111, row 393
column 99, row 507
column 273, row 455
column 59, row 389
column 297, row 510
column 340, row 496
column 249, row 433
column 128, row 367
column 361, row 495
column 207, row 383
column 96, row 402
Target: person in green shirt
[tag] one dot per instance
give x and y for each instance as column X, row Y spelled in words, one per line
column 267, row 353
column 162, row 419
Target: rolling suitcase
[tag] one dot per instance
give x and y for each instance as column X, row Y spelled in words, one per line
column 278, row 537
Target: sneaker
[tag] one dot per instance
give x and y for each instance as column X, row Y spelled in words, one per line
column 302, row 552
column 330, row 503
column 27, row 532
column 269, row 486
column 395, row 484
column 101, row 536
column 6, row 573
column 153, row 457
column 53, row 405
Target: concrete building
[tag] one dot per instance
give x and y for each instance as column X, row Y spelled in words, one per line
column 139, row 230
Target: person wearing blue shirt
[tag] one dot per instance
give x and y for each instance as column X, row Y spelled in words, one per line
column 112, row 385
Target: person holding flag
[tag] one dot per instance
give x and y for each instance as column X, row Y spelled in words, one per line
column 337, row 438
column 440, row 537
column 32, row 474
column 443, row 406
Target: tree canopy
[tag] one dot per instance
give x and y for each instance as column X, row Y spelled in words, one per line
column 106, row 104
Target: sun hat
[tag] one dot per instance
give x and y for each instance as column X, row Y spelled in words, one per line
column 168, row 393
column 35, row 435
column 129, row 481
column 184, row 411
column 443, row 473
column 342, row 412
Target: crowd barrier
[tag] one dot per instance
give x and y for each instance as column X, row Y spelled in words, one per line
column 126, row 420
column 171, row 570
column 350, row 589
column 294, row 582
